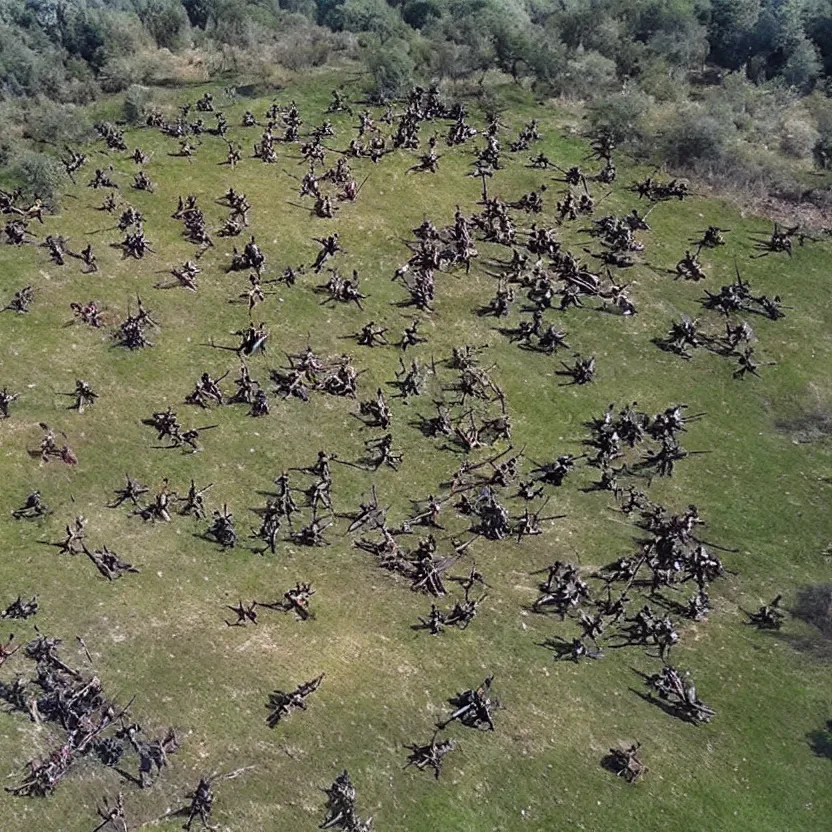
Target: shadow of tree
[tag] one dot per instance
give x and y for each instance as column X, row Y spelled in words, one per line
column 812, row 605
column 820, row 741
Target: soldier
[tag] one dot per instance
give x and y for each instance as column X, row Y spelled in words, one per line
column 378, row 411
column 110, row 203
column 84, row 396
column 431, row 755
column 582, row 371
column 131, row 491
column 682, row 335
column 473, row 707
column 142, row 182
column 339, row 103
column 769, row 616
column 370, row 335
column 330, row 246
column 551, row 340
column 681, row 693
column 411, row 336
column 282, row 703
column 625, row 763
column 771, row 307
column 255, row 293
column 738, row 333
column 87, row 313
column 57, row 248
column 324, row 207
column 435, row 621
column 21, row 301
column 222, row 528
column 202, row 804
column 89, row 259
column 164, row 422
column 260, row 405
column 746, row 363
column 689, row 267
column 73, row 543
column 32, row 507
column 428, row 162
column 713, row 237
column 296, row 599
column 108, row 563
column 194, row 501
column 698, row 605
column 101, row 180
column 6, row 399
column 7, row 650
column 206, row 391
column 244, row 614
column 114, row 816
column 75, row 162
column 382, row 448
column 463, row 612
column 341, row 807
column 312, row 534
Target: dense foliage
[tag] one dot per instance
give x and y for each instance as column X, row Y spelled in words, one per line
column 682, row 81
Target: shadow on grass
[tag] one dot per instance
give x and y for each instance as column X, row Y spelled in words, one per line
column 820, row 741
column 813, row 605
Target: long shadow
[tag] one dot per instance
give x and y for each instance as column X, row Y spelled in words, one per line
column 820, row 741
column 667, row 707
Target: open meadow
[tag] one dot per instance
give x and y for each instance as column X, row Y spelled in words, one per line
column 159, row 637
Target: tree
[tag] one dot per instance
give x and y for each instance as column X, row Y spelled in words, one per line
column 39, row 175
column 512, row 47
column 392, row 70
column 198, row 11
column 620, row 116
column 731, row 24
column 165, row 20
column 803, row 66
column 695, row 136
column 135, row 103
column 420, row 13
column 363, row 16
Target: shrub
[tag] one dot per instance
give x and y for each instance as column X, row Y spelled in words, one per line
column 136, row 102
column 798, row 138
column 588, row 75
column 803, row 66
column 391, row 68
column 39, row 175
column 56, row 124
column 621, row 115
column 694, row 136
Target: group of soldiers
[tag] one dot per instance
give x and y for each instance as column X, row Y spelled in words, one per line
column 93, row 725
column 502, row 498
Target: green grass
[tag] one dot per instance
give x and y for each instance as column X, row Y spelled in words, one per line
column 160, row 634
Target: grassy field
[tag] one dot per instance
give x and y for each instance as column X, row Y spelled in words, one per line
column 160, row 635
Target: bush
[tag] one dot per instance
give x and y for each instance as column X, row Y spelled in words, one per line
column 117, row 74
column 391, row 68
column 135, row 103
column 621, row 115
column 588, row 75
column 695, row 136
column 798, row 138
column 165, row 21
column 39, row 175
column 822, row 152
column 803, row 66
column 56, row 124
column 363, row 16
